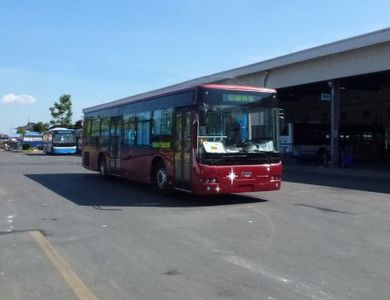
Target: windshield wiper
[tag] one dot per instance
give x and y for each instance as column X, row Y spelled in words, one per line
column 240, row 158
column 216, row 160
column 225, row 157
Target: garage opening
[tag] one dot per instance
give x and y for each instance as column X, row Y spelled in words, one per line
column 364, row 132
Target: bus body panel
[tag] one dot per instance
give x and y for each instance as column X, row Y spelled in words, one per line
column 237, row 179
column 136, row 164
column 88, row 160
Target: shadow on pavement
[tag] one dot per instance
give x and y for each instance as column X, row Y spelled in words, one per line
column 338, row 179
column 49, row 155
column 90, row 190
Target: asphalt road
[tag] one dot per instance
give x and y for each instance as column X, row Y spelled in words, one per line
column 66, row 234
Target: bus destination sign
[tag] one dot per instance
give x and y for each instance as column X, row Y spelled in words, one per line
column 238, row 98
column 62, row 131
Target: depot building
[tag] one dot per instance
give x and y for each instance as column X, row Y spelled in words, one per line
column 336, row 94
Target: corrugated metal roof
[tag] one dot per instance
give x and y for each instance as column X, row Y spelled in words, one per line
column 349, row 44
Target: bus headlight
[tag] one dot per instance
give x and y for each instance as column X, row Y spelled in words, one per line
column 209, row 180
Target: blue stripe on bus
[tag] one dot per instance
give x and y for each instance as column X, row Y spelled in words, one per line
column 64, row 151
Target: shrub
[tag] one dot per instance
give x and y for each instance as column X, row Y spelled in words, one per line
column 26, row 146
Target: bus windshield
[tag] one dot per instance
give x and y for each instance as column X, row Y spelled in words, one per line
column 237, row 124
column 62, row 139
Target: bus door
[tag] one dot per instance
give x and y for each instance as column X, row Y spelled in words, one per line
column 183, row 163
column 115, row 143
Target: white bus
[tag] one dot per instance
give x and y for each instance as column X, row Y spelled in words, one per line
column 59, row 141
column 305, row 141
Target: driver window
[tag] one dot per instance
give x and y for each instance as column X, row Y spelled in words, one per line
column 257, row 125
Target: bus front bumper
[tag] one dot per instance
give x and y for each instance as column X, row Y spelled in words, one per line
column 211, row 180
column 70, row 150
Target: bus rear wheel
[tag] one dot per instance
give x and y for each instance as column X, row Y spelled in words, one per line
column 103, row 172
column 160, row 178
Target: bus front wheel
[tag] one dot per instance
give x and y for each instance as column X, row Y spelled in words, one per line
column 160, row 178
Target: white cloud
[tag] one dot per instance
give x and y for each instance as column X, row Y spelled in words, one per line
column 24, row 99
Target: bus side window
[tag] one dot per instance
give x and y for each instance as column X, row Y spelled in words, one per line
column 105, row 131
column 143, row 128
column 162, row 128
column 130, row 130
column 95, row 131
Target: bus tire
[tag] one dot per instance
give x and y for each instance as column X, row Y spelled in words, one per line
column 160, row 178
column 103, row 172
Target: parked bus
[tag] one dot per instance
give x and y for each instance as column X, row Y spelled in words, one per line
column 312, row 141
column 32, row 139
column 209, row 139
column 59, row 141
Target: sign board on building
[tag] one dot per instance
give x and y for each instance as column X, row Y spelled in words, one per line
column 325, row 97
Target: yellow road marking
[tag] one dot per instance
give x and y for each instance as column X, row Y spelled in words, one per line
column 75, row 283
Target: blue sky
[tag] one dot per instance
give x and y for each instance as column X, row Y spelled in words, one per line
column 99, row 51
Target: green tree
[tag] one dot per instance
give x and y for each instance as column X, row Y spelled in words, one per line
column 61, row 112
column 21, row 131
column 78, row 124
column 41, row 127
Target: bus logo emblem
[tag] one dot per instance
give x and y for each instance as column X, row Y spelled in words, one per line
column 246, row 174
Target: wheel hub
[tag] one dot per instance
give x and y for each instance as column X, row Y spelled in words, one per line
column 161, row 178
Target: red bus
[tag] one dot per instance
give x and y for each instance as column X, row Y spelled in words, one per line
column 207, row 139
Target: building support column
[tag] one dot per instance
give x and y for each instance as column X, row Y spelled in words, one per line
column 334, row 121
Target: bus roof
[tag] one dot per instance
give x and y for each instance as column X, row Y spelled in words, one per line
column 172, row 90
column 238, row 88
column 60, row 128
